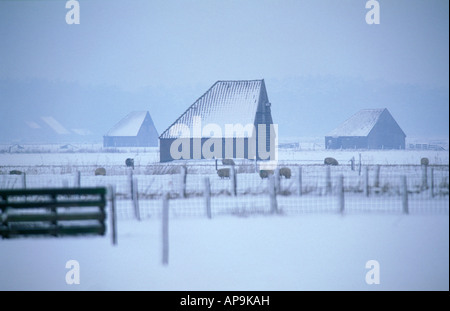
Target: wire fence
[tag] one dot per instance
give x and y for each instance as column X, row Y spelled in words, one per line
column 204, row 190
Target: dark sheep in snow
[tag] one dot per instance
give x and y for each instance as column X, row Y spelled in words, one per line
column 223, row 173
column 286, row 172
column 424, row 161
column 129, row 163
column 265, row 173
column 330, row 161
column 100, row 171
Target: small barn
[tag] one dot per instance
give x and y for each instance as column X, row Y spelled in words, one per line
column 367, row 129
column 135, row 130
column 239, row 105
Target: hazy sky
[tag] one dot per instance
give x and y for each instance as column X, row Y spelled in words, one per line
column 134, row 44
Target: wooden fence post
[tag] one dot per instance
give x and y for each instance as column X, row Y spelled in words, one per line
column 233, row 180
column 77, row 180
column 165, row 229
column 359, row 168
column 299, row 179
column 404, row 186
column 112, row 197
column 328, row 180
column 432, row 182
column 377, row 177
column 183, row 177
column 130, row 183
column 273, row 195
column 341, row 198
column 366, row 181
column 135, row 198
column 24, row 180
column 424, row 177
column 277, row 180
column 207, row 197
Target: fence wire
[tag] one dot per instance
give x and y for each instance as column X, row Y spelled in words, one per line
column 306, row 189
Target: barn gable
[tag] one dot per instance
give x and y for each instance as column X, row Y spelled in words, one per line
column 135, row 130
column 367, row 129
column 242, row 102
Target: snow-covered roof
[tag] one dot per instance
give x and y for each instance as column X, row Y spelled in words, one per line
column 360, row 124
column 226, row 102
column 130, row 125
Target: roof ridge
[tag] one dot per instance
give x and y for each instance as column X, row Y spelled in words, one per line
column 203, row 95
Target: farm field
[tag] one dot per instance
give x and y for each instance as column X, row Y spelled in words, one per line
column 309, row 244
column 309, row 252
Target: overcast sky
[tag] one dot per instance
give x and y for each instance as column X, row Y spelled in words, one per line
column 136, row 44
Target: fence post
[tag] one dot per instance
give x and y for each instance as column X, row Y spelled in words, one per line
column 135, row 198
column 208, row 197
column 77, row 181
column 404, row 195
column 300, row 192
column 112, row 194
column 277, row 179
column 341, row 198
column 432, row 182
column 183, row 181
column 24, row 180
column 273, row 195
column 359, row 169
column 424, row 177
column 165, row 229
column 328, row 180
column 130, row 183
column 377, row 177
column 233, row 180
column 366, row 181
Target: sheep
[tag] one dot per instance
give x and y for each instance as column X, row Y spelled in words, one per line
column 228, row 162
column 100, row 171
column 223, row 173
column 15, row 172
column 286, row 172
column 330, row 161
column 129, row 163
column 265, row 173
column 424, row 161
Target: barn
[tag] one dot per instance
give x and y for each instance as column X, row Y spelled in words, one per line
column 367, row 129
column 135, row 130
column 231, row 120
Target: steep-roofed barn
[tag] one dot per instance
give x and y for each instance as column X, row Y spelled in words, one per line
column 135, row 130
column 206, row 124
column 367, row 129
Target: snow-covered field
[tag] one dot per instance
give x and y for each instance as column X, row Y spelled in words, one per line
column 308, row 252
column 247, row 248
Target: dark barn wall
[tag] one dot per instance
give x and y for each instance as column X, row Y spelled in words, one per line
column 165, row 143
column 386, row 134
column 147, row 135
column 346, row 142
column 143, row 140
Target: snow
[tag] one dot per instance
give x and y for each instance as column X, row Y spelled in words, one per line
column 307, row 252
column 226, row 102
column 310, row 246
column 360, row 124
column 130, row 125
